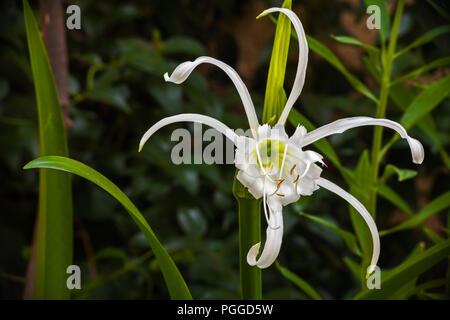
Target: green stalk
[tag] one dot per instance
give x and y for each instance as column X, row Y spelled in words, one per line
column 249, row 234
column 388, row 59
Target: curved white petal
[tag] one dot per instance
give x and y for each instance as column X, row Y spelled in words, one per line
column 362, row 211
column 302, row 60
column 272, row 246
column 183, row 71
column 298, row 135
column 255, row 185
column 342, row 125
column 189, row 117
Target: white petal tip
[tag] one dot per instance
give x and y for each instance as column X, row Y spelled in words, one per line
column 145, row 138
column 166, row 77
column 252, row 253
column 417, row 151
column 262, row 14
column 142, row 143
column 370, row 270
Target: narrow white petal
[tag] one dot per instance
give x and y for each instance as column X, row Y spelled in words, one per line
column 342, row 125
column 189, row 117
column 272, row 246
column 302, row 60
column 182, row 72
column 362, row 211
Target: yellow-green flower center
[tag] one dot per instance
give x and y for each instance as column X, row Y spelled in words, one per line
column 271, row 152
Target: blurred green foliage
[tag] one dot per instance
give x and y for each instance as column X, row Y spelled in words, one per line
column 117, row 61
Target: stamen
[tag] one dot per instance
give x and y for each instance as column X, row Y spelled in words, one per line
column 280, row 181
column 296, row 179
column 292, row 169
column 279, row 194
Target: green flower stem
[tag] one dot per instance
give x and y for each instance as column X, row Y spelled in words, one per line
column 249, row 234
column 388, row 58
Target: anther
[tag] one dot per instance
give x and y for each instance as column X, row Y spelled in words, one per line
column 292, row 169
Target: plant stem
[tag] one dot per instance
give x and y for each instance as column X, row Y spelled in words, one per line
column 249, row 234
column 381, row 107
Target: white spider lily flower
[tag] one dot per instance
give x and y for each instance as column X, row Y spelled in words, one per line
column 273, row 166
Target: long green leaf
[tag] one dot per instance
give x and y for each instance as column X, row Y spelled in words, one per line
column 402, row 97
column 422, row 69
column 55, row 221
column 356, row 42
column 426, row 286
column 439, row 10
column 328, row 55
column 174, row 280
column 299, row 282
column 393, row 197
column 275, row 100
column 361, row 190
column 402, row 293
column 353, row 266
column 425, row 38
column 408, row 270
column 437, row 205
column 426, row 101
column 349, row 238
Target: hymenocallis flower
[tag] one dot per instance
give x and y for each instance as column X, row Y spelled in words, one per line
column 273, row 166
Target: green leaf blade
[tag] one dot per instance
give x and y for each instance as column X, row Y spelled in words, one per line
column 174, row 280
column 408, row 270
column 440, row 203
column 275, row 98
column 425, row 38
column 299, row 282
column 55, row 222
column 428, row 99
column 329, row 56
column 349, row 238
